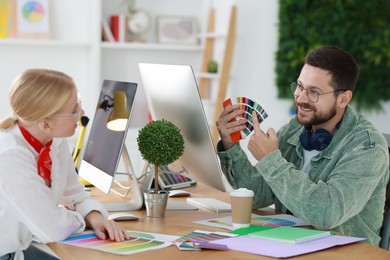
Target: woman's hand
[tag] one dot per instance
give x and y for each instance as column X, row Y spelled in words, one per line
column 104, row 228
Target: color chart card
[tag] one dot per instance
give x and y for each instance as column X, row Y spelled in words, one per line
column 186, row 242
column 279, row 220
column 248, row 105
column 138, row 242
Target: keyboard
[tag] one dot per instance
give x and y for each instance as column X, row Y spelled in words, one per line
column 168, row 179
column 174, row 180
column 210, row 203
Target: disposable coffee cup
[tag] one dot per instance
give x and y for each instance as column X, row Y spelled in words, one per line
column 241, row 202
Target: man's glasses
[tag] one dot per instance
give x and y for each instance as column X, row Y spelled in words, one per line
column 76, row 115
column 312, row 94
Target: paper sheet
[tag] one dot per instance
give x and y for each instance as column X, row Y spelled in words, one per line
column 282, row 250
column 138, row 242
column 257, row 220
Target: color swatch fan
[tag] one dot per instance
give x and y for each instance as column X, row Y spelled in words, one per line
column 248, row 105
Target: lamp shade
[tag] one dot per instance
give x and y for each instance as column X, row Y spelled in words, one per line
column 117, row 120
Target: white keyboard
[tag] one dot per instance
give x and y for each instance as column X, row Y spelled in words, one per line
column 210, row 203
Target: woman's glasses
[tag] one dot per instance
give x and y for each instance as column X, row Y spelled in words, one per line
column 76, row 115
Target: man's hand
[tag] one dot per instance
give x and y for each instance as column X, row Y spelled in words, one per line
column 260, row 143
column 226, row 127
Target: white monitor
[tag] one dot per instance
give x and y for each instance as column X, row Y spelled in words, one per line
column 106, row 141
column 172, row 94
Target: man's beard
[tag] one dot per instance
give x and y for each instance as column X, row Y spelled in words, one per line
column 318, row 117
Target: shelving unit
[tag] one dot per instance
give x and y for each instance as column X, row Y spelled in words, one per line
column 76, row 48
column 223, row 75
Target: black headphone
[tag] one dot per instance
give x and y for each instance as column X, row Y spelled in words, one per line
column 318, row 140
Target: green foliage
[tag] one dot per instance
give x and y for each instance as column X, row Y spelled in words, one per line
column 212, row 66
column 362, row 27
column 160, row 142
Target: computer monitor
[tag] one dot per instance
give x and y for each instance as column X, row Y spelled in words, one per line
column 106, row 142
column 172, row 94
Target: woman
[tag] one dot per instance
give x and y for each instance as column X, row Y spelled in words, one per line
column 41, row 198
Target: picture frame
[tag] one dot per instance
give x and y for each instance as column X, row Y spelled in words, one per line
column 177, row 29
column 32, row 19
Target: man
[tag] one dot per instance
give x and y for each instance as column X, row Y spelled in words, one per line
column 328, row 166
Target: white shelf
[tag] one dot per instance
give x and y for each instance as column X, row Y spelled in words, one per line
column 150, row 46
column 211, row 35
column 46, row 43
column 208, row 75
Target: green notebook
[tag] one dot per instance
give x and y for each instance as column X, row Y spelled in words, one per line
column 292, row 235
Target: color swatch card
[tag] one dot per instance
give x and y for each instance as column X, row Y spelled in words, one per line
column 279, row 220
column 198, row 239
column 138, row 242
column 291, row 235
column 248, row 105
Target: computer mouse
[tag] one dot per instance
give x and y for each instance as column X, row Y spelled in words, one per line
column 122, row 216
column 179, row 193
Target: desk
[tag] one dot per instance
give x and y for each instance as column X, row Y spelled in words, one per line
column 179, row 223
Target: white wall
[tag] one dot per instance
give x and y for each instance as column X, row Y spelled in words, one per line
column 254, row 60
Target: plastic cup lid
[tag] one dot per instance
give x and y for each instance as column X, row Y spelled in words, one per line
column 242, row 192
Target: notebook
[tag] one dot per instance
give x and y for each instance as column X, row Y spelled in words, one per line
column 292, row 235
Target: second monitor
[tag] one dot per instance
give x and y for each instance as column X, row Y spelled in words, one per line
column 172, row 94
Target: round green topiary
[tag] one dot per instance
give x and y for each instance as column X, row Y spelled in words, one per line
column 160, row 142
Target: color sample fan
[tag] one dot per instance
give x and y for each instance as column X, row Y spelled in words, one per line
column 248, row 105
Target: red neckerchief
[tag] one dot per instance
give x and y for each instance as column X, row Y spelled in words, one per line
column 44, row 160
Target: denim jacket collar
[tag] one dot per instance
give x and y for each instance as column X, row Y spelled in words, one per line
column 349, row 121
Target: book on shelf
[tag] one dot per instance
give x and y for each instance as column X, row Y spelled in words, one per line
column 118, row 24
column 292, row 235
column 106, row 31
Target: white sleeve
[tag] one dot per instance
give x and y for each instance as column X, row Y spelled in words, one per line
column 74, row 196
column 31, row 201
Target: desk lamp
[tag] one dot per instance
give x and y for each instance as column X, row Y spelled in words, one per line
column 117, row 120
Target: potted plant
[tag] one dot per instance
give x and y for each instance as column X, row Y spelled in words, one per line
column 160, row 143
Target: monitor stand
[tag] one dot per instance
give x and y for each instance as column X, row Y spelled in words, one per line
column 136, row 201
column 172, row 205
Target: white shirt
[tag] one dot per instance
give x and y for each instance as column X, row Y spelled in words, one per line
column 308, row 155
column 31, row 211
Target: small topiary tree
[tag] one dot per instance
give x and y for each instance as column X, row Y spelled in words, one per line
column 160, row 143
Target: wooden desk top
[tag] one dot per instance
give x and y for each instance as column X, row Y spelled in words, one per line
column 180, row 223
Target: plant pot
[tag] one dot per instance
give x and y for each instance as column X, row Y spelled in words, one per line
column 156, row 204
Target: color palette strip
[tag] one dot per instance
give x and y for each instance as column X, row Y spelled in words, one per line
column 256, row 220
column 272, row 222
column 138, row 242
column 186, row 242
column 248, row 105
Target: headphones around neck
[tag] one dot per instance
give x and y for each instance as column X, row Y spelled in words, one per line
column 317, row 140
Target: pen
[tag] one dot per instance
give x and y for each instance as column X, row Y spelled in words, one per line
column 76, row 152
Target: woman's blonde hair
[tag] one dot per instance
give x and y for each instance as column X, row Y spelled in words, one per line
column 36, row 94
